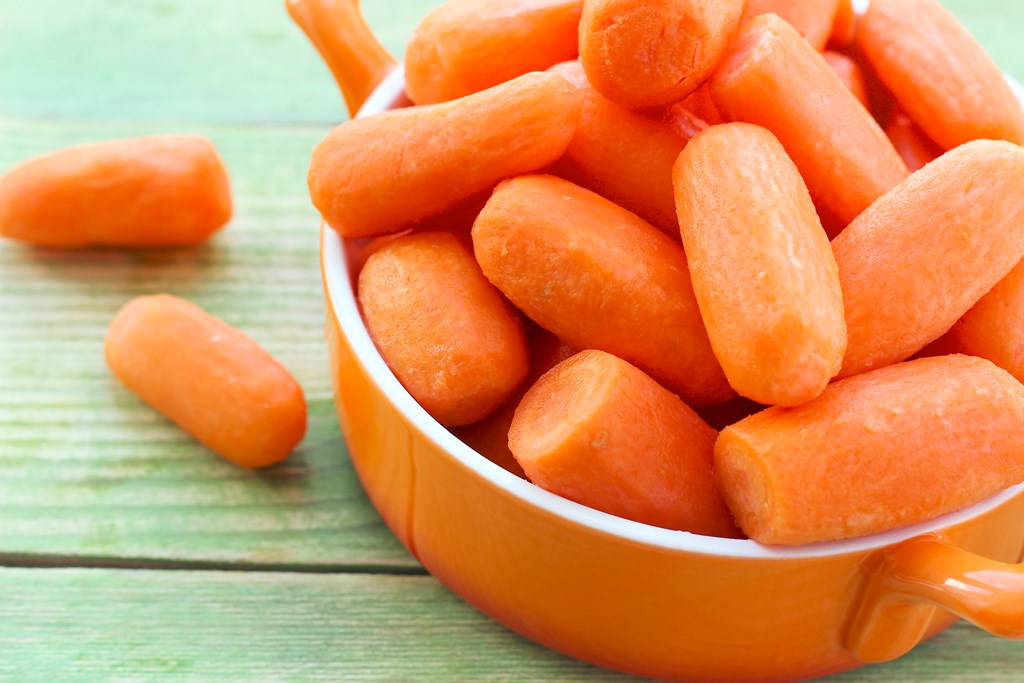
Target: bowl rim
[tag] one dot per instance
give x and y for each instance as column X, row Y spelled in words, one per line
column 341, row 297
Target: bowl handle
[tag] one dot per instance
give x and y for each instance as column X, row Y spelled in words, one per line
column 340, row 34
column 909, row 580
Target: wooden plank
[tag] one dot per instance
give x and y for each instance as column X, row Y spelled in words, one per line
column 86, row 625
column 87, row 469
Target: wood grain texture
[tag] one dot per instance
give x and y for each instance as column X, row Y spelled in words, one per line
column 87, row 625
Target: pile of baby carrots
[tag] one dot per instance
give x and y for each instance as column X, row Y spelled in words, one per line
column 607, row 225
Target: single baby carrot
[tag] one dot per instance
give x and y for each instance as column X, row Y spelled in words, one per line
column 648, row 53
column 489, row 436
column 450, row 337
column 599, row 277
column 813, row 19
column 599, row 431
column 914, row 147
column 775, row 79
column 844, row 28
column 156, row 191
column 850, row 74
column 879, row 451
column 622, row 155
column 939, row 73
column 380, row 174
column 465, row 46
column 994, row 327
column 207, row 377
column 919, row 258
column 762, row 268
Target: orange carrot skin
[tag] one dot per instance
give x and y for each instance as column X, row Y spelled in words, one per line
column 994, row 327
column 489, row 436
column 774, row 78
column 879, row 451
column 850, row 74
column 466, row 46
column 380, row 174
column 600, row 432
column 622, row 155
column 923, row 255
column 701, row 107
column 914, row 147
column 155, row 191
column 649, row 53
column 450, row 337
column 762, row 267
column 813, row 19
column 939, row 73
column 599, row 277
column 207, row 377
column 844, row 28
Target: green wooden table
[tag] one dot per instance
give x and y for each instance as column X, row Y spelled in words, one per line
column 128, row 552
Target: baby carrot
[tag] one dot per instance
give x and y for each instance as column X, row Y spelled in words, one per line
column 489, row 436
column 844, row 28
column 600, row 432
column 879, row 451
column 622, row 155
column 850, row 74
column 450, row 338
column 994, row 327
column 157, row 191
column 598, row 277
column 762, row 268
column 380, row 174
column 647, row 53
column 775, row 79
column 914, row 147
column 919, row 258
column 939, row 73
column 465, row 46
column 813, row 19
column 207, row 377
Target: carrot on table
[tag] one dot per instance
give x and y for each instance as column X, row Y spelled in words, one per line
column 761, row 264
column 775, row 79
column 850, row 74
column 489, row 436
column 914, row 147
column 622, row 155
column 919, row 258
column 599, row 431
column 449, row 336
column 893, row 447
column 465, row 46
column 209, row 378
column 155, row 191
column 939, row 73
column 599, row 277
column 813, row 19
column 648, row 53
column 380, row 174
column 994, row 327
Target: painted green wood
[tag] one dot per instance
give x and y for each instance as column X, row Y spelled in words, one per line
column 87, row 625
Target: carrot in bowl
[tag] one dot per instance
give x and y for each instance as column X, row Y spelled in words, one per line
column 155, row 191
column 622, row 155
column 844, row 28
column 813, row 19
column 207, row 377
column 380, row 174
column 600, row 432
column 450, row 337
column 914, row 147
column 939, row 73
column 919, row 258
column 774, row 78
column 762, row 267
column 647, row 53
column 465, row 46
column 994, row 327
column 599, row 277
column 879, row 451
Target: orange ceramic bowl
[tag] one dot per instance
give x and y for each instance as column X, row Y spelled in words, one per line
column 640, row 599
